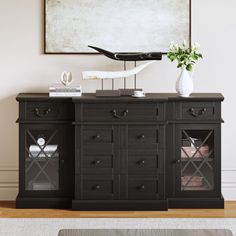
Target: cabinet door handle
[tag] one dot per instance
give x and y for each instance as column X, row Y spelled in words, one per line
column 198, row 113
column 123, row 114
column 43, row 113
column 178, row 161
column 97, row 187
column 62, row 161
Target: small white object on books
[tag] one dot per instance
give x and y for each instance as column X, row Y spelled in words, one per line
column 66, row 78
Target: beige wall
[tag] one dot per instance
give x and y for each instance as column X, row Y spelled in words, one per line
column 23, row 68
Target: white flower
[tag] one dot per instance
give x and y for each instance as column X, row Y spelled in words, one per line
column 196, row 46
column 176, row 45
column 185, row 45
column 172, row 45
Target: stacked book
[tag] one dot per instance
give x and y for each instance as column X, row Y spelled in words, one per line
column 60, row 90
column 36, row 151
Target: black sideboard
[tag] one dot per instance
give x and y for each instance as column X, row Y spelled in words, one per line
column 90, row 153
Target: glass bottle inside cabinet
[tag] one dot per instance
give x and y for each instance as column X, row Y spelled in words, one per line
column 197, row 160
column 41, row 160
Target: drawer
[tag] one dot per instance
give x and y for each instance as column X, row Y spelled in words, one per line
column 143, row 188
column 198, row 111
column 95, row 140
column 146, row 138
column 143, row 165
column 97, row 135
column 96, row 187
column 99, row 165
column 47, row 111
column 142, row 135
column 120, row 112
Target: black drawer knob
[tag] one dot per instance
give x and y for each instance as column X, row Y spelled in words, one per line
column 98, row 136
column 97, row 162
column 141, row 162
column 142, row 136
column 97, row 187
column 197, row 113
column 42, row 113
column 141, row 187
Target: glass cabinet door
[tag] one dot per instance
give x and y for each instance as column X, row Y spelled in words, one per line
column 198, row 158
column 42, row 154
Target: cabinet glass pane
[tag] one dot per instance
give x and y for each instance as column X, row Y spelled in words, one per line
column 197, row 160
column 41, row 160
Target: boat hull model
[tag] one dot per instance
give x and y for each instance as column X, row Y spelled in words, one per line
column 153, row 56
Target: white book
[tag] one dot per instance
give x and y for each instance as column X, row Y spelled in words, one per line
column 47, row 148
column 63, row 88
column 65, row 94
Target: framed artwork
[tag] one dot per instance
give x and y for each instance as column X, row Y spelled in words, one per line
column 115, row 25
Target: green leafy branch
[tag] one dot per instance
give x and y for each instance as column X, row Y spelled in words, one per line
column 185, row 56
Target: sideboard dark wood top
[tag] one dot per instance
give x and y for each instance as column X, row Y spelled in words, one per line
column 155, row 97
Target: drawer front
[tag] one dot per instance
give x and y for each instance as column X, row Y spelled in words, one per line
column 97, row 165
column 97, row 135
column 143, row 165
column 37, row 111
column 143, row 136
column 97, row 141
column 198, row 111
column 120, row 112
column 143, row 188
column 95, row 187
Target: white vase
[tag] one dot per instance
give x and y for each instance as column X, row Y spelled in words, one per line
column 184, row 84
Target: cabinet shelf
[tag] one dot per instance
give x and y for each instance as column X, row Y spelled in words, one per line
column 42, row 159
column 201, row 188
column 196, row 159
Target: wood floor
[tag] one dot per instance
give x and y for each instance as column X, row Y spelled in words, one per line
column 7, row 210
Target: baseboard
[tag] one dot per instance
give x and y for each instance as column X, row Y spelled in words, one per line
column 229, row 183
column 8, row 183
